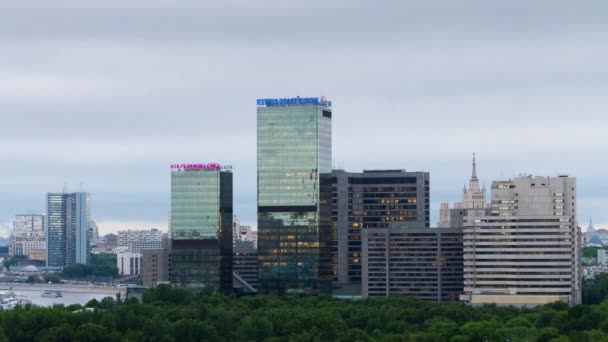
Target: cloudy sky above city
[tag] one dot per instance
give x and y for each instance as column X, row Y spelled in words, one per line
column 104, row 95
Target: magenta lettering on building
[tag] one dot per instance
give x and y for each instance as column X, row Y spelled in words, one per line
column 208, row 166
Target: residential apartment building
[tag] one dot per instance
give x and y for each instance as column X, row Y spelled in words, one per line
column 28, row 237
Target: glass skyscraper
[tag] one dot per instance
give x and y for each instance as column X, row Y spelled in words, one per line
column 68, row 224
column 201, row 222
column 293, row 151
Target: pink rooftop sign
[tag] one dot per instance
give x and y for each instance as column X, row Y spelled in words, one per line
column 212, row 166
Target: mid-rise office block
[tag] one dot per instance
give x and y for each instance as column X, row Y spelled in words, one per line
column 201, row 227
column 372, row 199
column 426, row 263
column 293, row 151
column 527, row 251
column 68, row 224
column 137, row 240
column 155, row 264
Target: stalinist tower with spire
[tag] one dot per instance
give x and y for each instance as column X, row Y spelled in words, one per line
column 472, row 198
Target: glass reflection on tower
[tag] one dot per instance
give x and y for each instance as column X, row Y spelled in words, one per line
column 294, row 151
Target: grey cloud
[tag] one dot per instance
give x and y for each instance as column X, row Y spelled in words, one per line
column 109, row 93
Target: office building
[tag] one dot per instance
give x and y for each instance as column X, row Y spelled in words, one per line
column 245, row 266
column 137, row 240
column 155, row 264
column 527, row 251
column 473, row 204
column 422, row 262
column 201, row 226
column 28, row 237
column 293, row 151
column 129, row 263
column 68, row 224
column 372, row 199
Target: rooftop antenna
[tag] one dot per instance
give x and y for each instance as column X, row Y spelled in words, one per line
column 81, row 186
column 65, row 187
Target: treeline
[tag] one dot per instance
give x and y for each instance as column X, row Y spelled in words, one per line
column 168, row 314
column 101, row 265
column 596, row 290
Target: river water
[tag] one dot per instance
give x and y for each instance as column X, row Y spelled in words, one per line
column 68, row 298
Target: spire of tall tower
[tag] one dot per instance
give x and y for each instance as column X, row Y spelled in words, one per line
column 474, row 173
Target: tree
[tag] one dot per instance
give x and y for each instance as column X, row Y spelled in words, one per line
column 32, row 279
column 52, row 278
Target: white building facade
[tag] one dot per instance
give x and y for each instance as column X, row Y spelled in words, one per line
column 28, row 235
column 129, row 263
column 136, row 240
column 527, row 250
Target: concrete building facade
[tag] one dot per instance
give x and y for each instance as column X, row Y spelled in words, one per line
column 129, row 263
column 28, row 236
column 426, row 263
column 155, row 264
column 137, row 240
column 527, row 251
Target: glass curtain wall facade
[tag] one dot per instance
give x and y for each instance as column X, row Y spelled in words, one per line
column 294, row 150
column 68, row 224
column 201, row 218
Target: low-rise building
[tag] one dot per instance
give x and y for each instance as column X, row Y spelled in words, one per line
column 129, row 263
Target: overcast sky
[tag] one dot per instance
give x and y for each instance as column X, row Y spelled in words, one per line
column 108, row 94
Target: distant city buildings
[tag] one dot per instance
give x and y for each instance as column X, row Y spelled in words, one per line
column 69, row 221
column 473, row 203
column 201, row 221
column 601, row 257
column 372, row 199
column 243, row 233
column 29, row 237
column 527, row 251
column 138, row 240
column 294, row 230
column 422, row 262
